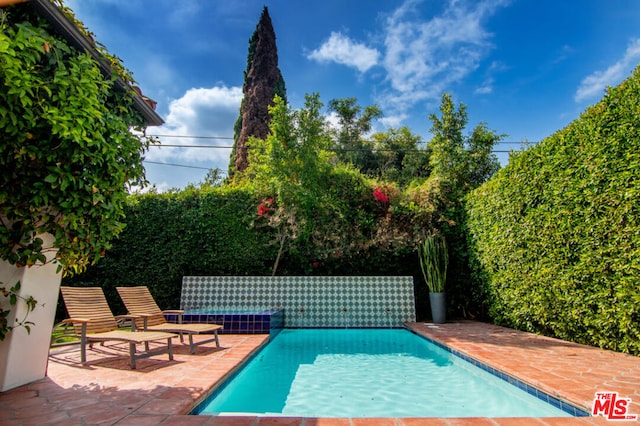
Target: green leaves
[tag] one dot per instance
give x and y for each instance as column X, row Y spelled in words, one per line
column 13, row 295
column 555, row 235
column 434, row 260
column 67, row 155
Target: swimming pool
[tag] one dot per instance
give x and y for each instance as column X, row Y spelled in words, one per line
column 367, row 373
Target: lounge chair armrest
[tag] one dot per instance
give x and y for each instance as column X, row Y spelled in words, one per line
column 133, row 319
column 177, row 312
column 83, row 322
column 128, row 316
column 75, row 320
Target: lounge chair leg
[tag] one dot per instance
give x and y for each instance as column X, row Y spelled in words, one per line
column 170, row 345
column 146, row 346
column 83, row 344
column 191, row 345
column 132, row 354
column 217, row 341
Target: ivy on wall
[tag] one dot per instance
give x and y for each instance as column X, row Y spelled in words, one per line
column 67, row 155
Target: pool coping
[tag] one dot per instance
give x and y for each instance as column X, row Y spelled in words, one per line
column 560, row 370
column 106, row 391
column 573, row 409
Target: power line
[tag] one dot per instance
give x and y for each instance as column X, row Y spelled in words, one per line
column 327, row 149
column 176, row 165
column 250, row 147
column 193, row 137
column 231, row 138
column 191, row 146
column 211, row 168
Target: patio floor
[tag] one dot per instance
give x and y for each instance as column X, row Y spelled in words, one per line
column 160, row 392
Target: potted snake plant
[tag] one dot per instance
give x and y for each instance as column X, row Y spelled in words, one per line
column 434, row 260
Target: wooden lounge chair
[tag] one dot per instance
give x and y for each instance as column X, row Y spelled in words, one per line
column 139, row 302
column 94, row 322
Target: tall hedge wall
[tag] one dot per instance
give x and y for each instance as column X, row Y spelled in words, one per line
column 555, row 235
column 203, row 232
column 216, row 231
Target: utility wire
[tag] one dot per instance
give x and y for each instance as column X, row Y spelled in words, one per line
column 176, row 165
column 327, row 149
column 193, row 146
column 192, row 137
column 250, row 147
column 231, row 138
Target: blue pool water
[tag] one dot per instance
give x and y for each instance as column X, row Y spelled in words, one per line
column 367, row 373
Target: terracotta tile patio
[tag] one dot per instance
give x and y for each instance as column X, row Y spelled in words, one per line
column 160, row 392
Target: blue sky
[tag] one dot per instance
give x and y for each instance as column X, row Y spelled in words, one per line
column 525, row 68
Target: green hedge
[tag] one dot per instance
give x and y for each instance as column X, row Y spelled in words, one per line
column 195, row 232
column 555, row 236
column 216, row 231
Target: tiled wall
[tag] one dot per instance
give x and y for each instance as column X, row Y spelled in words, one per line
column 268, row 321
column 309, row 301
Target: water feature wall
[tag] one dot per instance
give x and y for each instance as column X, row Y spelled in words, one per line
column 355, row 301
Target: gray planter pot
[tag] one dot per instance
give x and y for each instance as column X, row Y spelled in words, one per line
column 438, row 307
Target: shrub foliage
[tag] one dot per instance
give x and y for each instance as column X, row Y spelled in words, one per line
column 298, row 209
column 555, row 235
column 67, row 155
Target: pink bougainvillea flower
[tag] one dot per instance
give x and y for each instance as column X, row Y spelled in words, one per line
column 264, row 206
column 379, row 196
column 262, row 209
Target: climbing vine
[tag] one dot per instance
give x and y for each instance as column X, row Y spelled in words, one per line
column 68, row 155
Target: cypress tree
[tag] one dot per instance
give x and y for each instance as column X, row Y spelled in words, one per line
column 262, row 81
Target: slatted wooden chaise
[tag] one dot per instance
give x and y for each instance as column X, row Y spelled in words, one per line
column 93, row 321
column 139, row 302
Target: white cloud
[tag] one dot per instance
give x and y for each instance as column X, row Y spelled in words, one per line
column 393, row 120
column 485, row 89
column 342, row 50
column 199, row 112
column 595, row 84
column 423, row 57
column 332, row 121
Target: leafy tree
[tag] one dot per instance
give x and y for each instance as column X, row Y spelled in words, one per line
column 462, row 162
column 214, row 177
column 447, row 144
column 400, row 158
column 289, row 164
column 459, row 164
column 292, row 158
column 349, row 137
